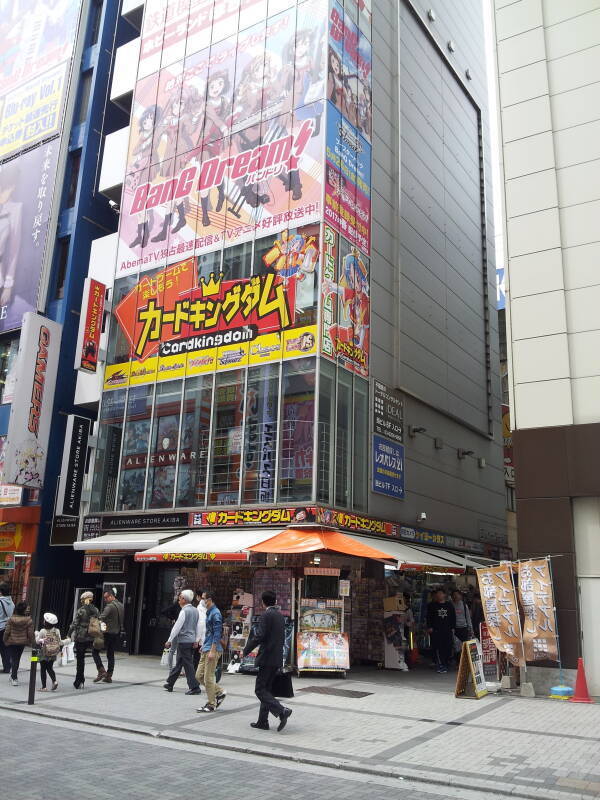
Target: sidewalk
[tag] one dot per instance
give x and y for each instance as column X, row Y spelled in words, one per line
column 500, row 745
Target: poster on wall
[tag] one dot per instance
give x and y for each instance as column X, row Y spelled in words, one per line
column 25, row 206
column 227, row 144
column 174, row 322
column 388, row 467
column 345, row 304
column 26, row 448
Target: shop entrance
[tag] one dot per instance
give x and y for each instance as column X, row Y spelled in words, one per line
column 159, row 591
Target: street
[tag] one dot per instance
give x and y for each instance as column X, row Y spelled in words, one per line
column 376, row 735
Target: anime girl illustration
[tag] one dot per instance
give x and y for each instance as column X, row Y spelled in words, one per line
column 355, row 304
column 175, row 134
column 142, row 156
column 217, row 114
column 335, row 85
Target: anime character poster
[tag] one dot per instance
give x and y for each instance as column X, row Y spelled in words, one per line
column 364, row 112
column 365, row 16
column 36, row 36
column 350, row 332
column 347, row 180
column 26, row 192
column 335, row 57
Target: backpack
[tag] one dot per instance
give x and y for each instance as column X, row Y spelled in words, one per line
column 50, row 645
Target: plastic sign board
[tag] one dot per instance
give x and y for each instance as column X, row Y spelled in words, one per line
column 90, row 326
column 470, row 680
column 29, row 426
column 388, row 467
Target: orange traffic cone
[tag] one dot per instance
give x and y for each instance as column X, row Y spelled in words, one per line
column 581, row 691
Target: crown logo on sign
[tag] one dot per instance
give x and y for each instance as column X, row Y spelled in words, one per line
column 211, row 287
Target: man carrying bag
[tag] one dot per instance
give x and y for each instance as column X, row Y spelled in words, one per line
column 112, row 619
column 270, row 635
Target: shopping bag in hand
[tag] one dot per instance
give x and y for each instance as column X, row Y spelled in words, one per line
column 165, row 660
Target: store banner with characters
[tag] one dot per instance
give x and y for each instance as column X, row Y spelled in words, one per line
column 227, row 142
column 174, row 323
column 345, row 304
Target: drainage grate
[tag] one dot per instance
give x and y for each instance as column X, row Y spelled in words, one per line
column 336, row 692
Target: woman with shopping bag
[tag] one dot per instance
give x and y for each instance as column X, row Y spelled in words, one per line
column 84, row 629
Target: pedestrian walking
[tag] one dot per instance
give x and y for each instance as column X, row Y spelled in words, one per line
column 18, row 634
column 50, row 642
column 441, row 622
column 81, row 634
column 186, row 634
column 6, row 609
column 211, row 651
column 200, row 603
column 464, row 628
column 270, row 636
column 476, row 613
column 111, row 620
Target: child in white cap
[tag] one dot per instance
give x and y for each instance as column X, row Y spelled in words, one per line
column 50, row 642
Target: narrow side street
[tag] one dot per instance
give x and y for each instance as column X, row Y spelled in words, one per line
column 373, row 730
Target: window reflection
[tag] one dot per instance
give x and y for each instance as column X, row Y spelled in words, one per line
column 228, row 408
column 162, row 464
column 134, row 457
column 297, row 429
column 108, row 448
column 195, row 432
column 260, row 434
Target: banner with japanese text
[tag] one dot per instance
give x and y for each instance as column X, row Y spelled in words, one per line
column 35, row 66
column 501, row 610
column 177, row 321
column 227, row 132
column 540, row 637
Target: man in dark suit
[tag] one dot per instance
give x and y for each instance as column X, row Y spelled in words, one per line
column 270, row 636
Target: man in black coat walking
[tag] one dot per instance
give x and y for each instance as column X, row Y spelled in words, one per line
column 270, row 636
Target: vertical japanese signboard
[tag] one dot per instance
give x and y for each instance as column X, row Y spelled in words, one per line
column 501, row 610
column 540, row 637
column 37, row 49
column 345, row 291
column 29, row 426
column 72, row 470
column 90, row 326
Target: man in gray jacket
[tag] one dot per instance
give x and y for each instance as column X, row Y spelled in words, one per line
column 6, row 609
column 112, row 616
column 186, row 632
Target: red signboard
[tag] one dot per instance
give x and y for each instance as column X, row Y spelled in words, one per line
column 251, row 516
column 171, row 314
column 90, row 326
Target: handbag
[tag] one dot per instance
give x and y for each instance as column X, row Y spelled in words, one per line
column 282, row 685
column 94, row 628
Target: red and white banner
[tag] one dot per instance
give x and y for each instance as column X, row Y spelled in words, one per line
column 90, row 326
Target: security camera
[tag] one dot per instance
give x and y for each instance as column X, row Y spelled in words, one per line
column 421, row 516
column 113, row 205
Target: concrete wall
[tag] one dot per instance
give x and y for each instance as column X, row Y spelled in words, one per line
column 431, row 300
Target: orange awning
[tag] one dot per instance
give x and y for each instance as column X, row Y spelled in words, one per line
column 306, row 540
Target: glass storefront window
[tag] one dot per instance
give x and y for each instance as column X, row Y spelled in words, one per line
column 297, row 430
column 326, row 437
column 119, row 346
column 260, row 434
column 8, row 361
column 343, row 439
column 162, row 463
column 195, row 436
column 360, row 472
column 228, row 406
column 108, row 449
column 134, row 457
column 237, row 261
column 209, row 262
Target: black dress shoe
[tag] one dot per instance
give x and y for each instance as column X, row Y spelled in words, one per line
column 168, row 687
column 197, row 690
column 259, row 726
column 285, row 715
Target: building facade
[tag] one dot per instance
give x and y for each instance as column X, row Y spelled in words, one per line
column 548, row 57
column 303, row 321
column 55, row 69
